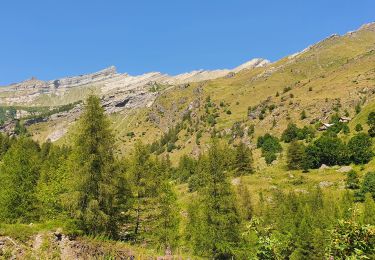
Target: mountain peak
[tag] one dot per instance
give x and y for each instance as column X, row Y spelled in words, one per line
column 253, row 63
column 368, row 26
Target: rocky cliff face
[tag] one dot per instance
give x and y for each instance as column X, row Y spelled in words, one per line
column 93, row 78
column 119, row 92
column 111, row 84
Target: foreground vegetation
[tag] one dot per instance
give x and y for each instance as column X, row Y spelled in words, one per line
column 86, row 189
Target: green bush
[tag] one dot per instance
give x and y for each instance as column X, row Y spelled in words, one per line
column 352, row 180
column 358, row 128
column 360, row 148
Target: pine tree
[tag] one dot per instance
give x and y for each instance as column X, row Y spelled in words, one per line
column 141, row 171
column 167, row 228
column 243, row 159
column 92, row 166
column 218, row 218
column 19, row 174
column 296, row 157
column 52, row 184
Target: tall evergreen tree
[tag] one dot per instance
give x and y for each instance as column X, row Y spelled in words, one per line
column 296, row 156
column 52, row 184
column 19, row 174
column 218, row 218
column 141, row 171
column 243, row 159
column 94, row 174
column 168, row 219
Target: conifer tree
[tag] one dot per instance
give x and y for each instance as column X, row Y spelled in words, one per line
column 52, row 184
column 296, row 157
column 168, row 219
column 141, row 171
column 243, row 159
column 218, row 218
column 92, row 166
column 19, row 174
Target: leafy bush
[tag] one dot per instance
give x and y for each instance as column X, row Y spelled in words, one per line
column 329, row 150
column 292, row 133
column 368, row 186
column 371, row 123
column 360, row 148
column 352, row 180
column 358, row 128
column 270, row 145
column 269, row 157
column 351, row 240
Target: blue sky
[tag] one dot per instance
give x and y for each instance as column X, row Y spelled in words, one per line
column 50, row 38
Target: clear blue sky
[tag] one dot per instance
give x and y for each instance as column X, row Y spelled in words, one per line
column 54, row 38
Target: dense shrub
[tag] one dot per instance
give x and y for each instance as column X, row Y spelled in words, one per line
column 329, row 150
column 352, row 180
column 360, row 148
column 292, row 132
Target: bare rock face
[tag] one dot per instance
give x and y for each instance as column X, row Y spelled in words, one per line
column 83, row 79
column 368, row 26
column 119, row 92
column 32, row 83
column 345, row 169
column 254, row 63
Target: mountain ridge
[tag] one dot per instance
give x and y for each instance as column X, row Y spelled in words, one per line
column 335, row 73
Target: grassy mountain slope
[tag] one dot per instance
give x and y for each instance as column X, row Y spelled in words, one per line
column 334, row 75
column 331, row 76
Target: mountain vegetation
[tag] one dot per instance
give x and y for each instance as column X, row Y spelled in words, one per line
column 269, row 162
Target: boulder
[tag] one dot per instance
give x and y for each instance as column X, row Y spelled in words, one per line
column 325, row 184
column 345, row 169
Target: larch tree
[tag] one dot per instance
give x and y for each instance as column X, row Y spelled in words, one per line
column 243, row 159
column 52, row 184
column 94, row 172
column 296, row 156
column 19, row 174
column 216, row 216
column 141, row 175
column 168, row 219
